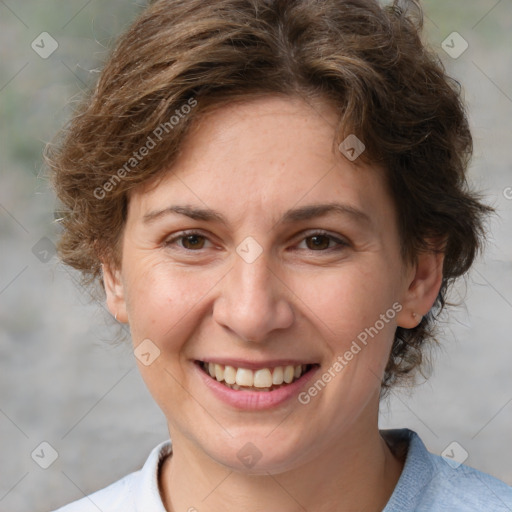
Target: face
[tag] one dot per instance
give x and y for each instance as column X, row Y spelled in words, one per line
column 227, row 266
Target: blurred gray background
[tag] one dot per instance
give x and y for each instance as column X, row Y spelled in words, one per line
column 63, row 379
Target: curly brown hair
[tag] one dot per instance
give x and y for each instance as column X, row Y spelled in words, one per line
column 190, row 56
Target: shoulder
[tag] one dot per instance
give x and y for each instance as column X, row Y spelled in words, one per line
column 135, row 492
column 467, row 488
column 433, row 483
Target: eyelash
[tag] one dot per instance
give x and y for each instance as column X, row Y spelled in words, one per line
column 342, row 244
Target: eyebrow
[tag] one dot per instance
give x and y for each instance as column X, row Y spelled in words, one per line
column 294, row 215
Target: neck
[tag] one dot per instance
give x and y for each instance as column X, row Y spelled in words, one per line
column 358, row 474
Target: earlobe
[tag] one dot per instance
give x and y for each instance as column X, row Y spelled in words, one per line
column 114, row 290
column 422, row 289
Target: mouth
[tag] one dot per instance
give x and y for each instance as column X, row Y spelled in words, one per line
column 257, row 380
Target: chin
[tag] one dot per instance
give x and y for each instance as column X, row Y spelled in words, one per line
column 257, row 455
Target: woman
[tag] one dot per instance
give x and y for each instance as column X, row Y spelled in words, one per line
column 272, row 195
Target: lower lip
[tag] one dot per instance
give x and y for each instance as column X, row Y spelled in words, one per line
column 255, row 400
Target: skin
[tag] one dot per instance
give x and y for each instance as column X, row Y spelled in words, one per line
column 197, row 298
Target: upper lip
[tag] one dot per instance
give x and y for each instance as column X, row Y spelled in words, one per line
column 255, row 365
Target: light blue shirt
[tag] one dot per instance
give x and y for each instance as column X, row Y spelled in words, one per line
column 431, row 483
column 428, row 483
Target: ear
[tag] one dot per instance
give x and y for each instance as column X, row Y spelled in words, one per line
column 422, row 286
column 114, row 290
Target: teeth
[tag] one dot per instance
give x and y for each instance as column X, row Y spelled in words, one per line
column 219, row 372
column 278, row 376
column 263, row 379
column 244, row 377
column 229, row 375
column 289, row 373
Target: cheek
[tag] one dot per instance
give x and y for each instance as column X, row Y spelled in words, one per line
column 355, row 311
column 348, row 299
column 163, row 306
column 163, row 300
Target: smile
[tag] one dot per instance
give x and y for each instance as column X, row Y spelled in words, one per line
column 261, row 379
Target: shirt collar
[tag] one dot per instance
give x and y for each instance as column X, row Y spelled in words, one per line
column 417, row 473
column 146, row 490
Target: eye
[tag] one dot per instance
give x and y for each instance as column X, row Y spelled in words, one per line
column 191, row 240
column 320, row 241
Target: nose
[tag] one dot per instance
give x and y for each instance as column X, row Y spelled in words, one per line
column 253, row 301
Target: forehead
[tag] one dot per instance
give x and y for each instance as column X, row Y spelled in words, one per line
column 265, row 155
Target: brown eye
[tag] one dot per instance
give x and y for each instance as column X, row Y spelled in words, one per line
column 188, row 241
column 193, row 242
column 320, row 241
